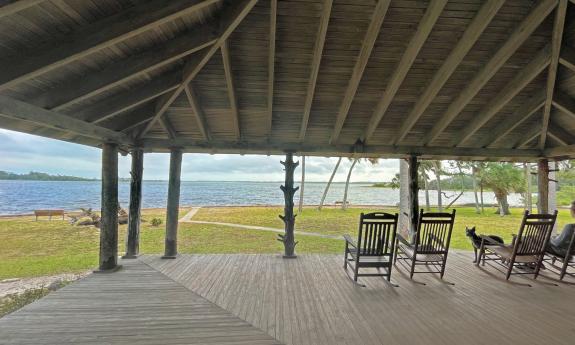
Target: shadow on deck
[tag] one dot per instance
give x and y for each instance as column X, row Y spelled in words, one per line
column 309, row 300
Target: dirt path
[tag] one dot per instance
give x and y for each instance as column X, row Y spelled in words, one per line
column 19, row 285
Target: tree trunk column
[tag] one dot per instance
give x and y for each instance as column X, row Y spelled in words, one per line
column 413, row 193
column 288, row 218
column 134, row 216
column 109, row 220
column 543, row 186
column 171, row 244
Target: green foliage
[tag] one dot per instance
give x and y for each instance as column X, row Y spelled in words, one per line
column 11, row 303
column 156, row 222
column 503, row 178
column 38, row 176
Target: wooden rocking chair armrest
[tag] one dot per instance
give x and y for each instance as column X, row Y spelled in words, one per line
column 350, row 241
column 489, row 241
column 403, row 240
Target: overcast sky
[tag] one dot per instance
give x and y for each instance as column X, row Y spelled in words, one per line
column 22, row 153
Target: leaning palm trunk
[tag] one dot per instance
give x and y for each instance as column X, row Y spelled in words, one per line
column 328, row 184
column 344, row 204
column 300, row 206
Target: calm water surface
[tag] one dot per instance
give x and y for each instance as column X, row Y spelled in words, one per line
column 17, row 197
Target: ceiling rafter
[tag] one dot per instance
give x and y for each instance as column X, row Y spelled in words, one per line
column 17, row 6
column 126, row 69
column 520, row 115
column 229, row 73
column 567, row 57
column 16, row 109
column 404, row 65
column 513, row 42
column 198, row 112
column 558, row 27
column 368, row 42
column 168, row 127
column 518, row 83
column 103, row 33
column 527, row 137
column 564, row 103
column 271, row 64
column 231, row 18
column 464, row 45
column 315, row 64
column 560, row 135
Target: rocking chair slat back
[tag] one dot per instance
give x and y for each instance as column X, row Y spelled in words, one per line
column 434, row 232
column 377, row 233
column 534, row 233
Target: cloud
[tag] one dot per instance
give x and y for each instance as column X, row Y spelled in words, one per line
column 22, row 153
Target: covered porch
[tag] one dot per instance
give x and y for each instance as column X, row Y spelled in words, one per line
column 264, row 299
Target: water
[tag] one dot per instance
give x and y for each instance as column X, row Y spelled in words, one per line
column 18, row 197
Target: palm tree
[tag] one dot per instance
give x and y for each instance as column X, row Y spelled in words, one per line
column 328, row 184
column 344, row 203
column 300, row 208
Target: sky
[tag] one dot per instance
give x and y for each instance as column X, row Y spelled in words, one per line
column 21, row 153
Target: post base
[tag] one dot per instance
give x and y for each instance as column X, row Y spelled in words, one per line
column 289, row 256
column 111, row 270
column 130, row 257
column 169, row 257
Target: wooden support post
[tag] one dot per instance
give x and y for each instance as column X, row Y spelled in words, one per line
column 543, row 186
column 134, row 216
column 171, row 245
column 288, row 218
column 109, row 220
column 413, row 194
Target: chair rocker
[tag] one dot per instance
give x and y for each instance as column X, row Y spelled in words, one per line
column 429, row 246
column 526, row 252
column 374, row 245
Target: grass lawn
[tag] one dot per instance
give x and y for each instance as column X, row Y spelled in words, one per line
column 29, row 248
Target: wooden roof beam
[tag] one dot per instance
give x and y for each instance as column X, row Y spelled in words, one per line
column 514, row 41
column 518, row 83
column 464, row 45
column 527, row 137
column 560, row 134
column 168, row 127
column 364, row 54
column 102, row 34
column 227, row 61
column 17, row 6
column 400, row 72
column 564, row 103
column 231, row 18
column 524, row 112
column 561, row 152
column 271, row 64
column 567, row 57
column 15, row 109
column 127, row 69
column 198, row 112
column 338, row 149
column 560, row 14
column 315, row 64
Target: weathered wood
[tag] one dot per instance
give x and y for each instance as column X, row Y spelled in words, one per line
column 561, row 152
column 466, row 42
column 134, row 215
column 402, row 68
column 16, row 109
column 271, row 64
column 560, row 13
column 413, row 179
column 515, row 85
column 198, row 112
column 317, row 54
column 17, row 6
column 543, row 186
column 302, row 185
column 288, row 217
column 227, row 60
column 109, row 212
column 514, row 41
column 102, row 34
column 364, row 54
column 173, row 206
column 567, row 57
column 564, row 103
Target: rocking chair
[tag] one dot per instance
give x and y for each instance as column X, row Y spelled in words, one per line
column 374, row 245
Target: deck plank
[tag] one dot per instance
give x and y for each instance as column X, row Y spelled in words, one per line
column 310, row 301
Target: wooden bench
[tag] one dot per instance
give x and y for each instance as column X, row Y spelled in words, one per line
column 49, row 213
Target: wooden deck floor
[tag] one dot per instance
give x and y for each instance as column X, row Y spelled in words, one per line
column 310, row 300
column 237, row 299
column 136, row 305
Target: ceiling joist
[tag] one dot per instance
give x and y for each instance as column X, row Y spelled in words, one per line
column 558, row 26
column 364, row 54
column 102, row 34
column 271, row 64
column 400, row 72
column 198, row 112
column 514, row 41
column 564, row 103
column 227, row 61
column 464, row 45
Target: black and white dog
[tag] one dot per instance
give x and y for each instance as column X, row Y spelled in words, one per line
column 476, row 240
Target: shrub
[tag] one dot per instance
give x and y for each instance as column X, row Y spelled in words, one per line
column 156, row 222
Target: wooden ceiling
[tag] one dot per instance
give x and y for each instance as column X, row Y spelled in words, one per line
column 456, row 79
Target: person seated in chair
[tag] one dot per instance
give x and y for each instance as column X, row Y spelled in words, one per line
column 559, row 244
